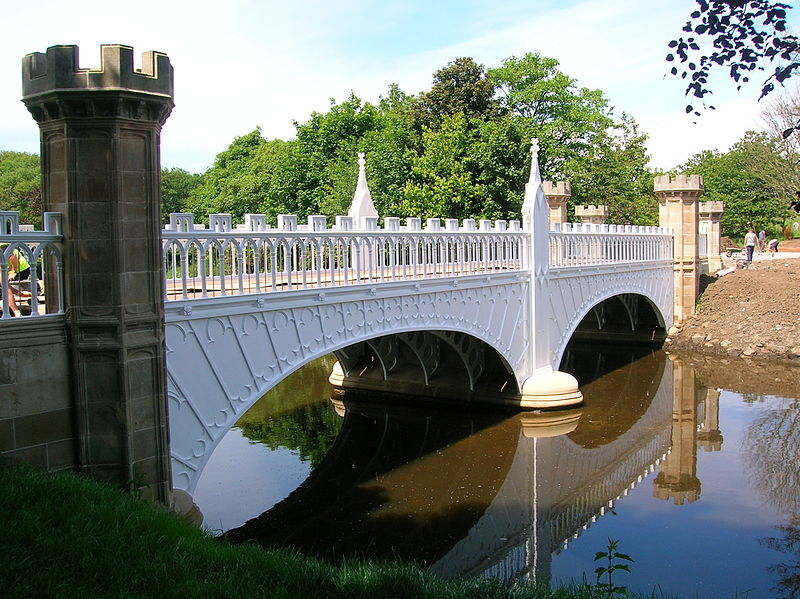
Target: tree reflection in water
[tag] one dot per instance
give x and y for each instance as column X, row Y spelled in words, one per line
column 788, row 584
column 772, row 447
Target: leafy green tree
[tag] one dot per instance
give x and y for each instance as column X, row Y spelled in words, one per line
column 20, row 186
column 328, row 144
column 176, row 186
column 616, row 175
column 442, row 182
column 772, row 155
column 566, row 118
column 460, row 87
column 228, row 184
column 749, row 200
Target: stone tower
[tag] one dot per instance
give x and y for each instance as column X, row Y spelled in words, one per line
column 557, row 195
column 100, row 134
column 677, row 198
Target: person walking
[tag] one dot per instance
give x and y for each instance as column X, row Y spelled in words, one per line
column 750, row 244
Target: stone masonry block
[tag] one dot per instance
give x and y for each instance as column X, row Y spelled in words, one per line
column 8, row 366
column 41, row 428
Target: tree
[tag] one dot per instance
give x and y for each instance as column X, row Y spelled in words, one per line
column 743, row 34
column 551, row 106
column 228, row 184
column 775, row 157
column 442, row 180
column 749, row 200
column 20, row 186
column 615, row 174
column 460, row 87
column 176, row 186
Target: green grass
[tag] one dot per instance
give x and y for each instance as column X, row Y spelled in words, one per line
column 64, row 536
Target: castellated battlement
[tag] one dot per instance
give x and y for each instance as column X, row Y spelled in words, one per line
column 678, row 183
column 711, row 207
column 558, row 188
column 58, row 70
column 591, row 209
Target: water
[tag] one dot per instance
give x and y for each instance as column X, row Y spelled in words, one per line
column 689, row 462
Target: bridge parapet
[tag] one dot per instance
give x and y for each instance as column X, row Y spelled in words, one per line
column 42, row 251
column 587, row 244
column 223, row 259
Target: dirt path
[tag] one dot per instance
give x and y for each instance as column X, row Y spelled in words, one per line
column 751, row 312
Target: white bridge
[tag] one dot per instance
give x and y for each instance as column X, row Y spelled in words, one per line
column 471, row 311
column 457, row 311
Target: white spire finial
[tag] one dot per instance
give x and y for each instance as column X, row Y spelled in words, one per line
column 534, row 186
column 534, row 160
column 362, row 200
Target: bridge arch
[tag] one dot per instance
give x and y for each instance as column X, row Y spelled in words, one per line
column 574, row 307
column 225, row 354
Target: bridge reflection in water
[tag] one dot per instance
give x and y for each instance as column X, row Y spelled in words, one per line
column 485, row 493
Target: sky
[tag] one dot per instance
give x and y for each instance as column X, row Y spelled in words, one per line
column 240, row 64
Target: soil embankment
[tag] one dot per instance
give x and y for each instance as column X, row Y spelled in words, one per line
column 751, row 312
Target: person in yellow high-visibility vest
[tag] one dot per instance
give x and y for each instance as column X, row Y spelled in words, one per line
column 18, row 270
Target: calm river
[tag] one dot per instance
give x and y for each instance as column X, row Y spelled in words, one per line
column 689, row 462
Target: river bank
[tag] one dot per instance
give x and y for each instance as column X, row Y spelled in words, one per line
column 752, row 312
column 69, row 537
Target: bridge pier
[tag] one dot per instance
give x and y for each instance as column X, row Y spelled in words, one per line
column 100, row 135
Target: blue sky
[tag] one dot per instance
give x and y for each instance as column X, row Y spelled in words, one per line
column 245, row 63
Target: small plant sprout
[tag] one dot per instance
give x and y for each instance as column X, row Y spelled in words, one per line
column 612, row 558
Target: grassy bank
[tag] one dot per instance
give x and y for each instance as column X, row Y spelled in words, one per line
column 63, row 536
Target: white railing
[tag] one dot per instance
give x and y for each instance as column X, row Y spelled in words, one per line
column 222, row 260
column 41, row 292
column 592, row 245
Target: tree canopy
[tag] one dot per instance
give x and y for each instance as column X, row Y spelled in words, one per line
column 20, row 186
column 460, row 149
column 750, row 200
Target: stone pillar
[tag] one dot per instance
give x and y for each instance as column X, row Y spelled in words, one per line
column 100, row 135
column 557, row 194
column 677, row 479
column 677, row 198
column 711, row 215
column 596, row 215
